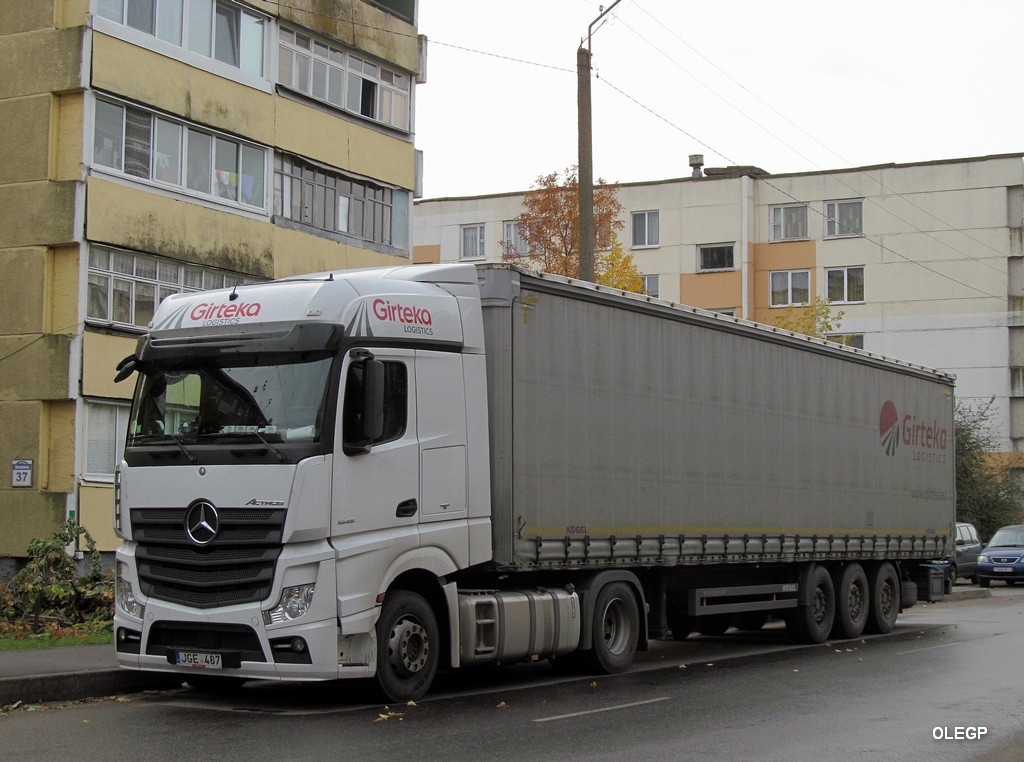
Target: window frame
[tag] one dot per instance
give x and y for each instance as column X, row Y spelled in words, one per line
column 184, row 46
column 855, row 340
column 122, row 413
column 648, row 216
column 832, row 214
column 512, row 239
column 846, row 284
column 789, row 288
column 702, row 247
column 480, row 241
column 129, row 155
column 116, row 271
column 647, row 281
column 777, row 228
column 302, row 56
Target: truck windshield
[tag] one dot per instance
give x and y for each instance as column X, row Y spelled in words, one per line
column 273, row 400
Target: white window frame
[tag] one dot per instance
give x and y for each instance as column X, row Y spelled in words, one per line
column 789, row 288
column 646, row 229
column 111, row 17
column 833, row 213
column 512, row 239
column 122, row 274
column 331, row 74
column 245, row 152
column 701, row 248
column 479, row 241
column 855, row 340
column 845, row 297
column 651, row 285
column 94, row 409
column 780, row 225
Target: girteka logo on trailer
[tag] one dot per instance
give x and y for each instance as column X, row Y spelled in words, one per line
column 911, row 432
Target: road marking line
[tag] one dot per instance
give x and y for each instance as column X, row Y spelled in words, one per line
column 926, row 648
column 603, row 709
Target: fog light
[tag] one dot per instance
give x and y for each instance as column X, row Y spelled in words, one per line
column 125, row 595
column 294, row 603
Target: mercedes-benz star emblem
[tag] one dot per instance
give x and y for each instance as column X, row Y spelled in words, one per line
column 202, row 522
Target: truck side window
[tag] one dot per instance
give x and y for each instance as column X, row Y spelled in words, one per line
column 396, row 404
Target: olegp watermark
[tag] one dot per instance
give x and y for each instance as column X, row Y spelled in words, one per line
column 959, row 733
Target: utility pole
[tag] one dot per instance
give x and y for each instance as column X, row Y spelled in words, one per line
column 586, row 153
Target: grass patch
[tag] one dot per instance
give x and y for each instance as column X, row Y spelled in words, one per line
column 47, row 641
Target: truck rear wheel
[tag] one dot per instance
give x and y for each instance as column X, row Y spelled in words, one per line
column 852, row 602
column 812, row 623
column 407, row 646
column 885, row 598
column 616, row 628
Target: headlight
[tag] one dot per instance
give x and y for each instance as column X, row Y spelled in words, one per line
column 983, row 558
column 125, row 596
column 294, row 603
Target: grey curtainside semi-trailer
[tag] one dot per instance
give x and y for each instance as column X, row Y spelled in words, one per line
column 378, row 473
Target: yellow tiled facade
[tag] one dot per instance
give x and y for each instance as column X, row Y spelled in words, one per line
column 215, row 142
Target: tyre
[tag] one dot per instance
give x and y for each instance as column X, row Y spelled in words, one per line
column 852, row 602
column 812, row 622
column 616, row 628
column 885, row 598
column 984, row 581
column 951, row 575
column 215, row 683
column 408, row 646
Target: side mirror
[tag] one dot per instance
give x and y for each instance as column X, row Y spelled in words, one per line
column 960, row 541
column 126, row 367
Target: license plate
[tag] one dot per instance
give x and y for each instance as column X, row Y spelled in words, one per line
column 197, row 660
column 1003, row 569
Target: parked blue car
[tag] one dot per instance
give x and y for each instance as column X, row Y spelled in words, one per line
column 1003, row 558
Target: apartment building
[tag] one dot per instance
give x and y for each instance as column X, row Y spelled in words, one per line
column 159, row 146
column 924, row 260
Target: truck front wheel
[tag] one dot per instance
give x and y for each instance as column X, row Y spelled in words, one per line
column 407, row 646
column 616, row 628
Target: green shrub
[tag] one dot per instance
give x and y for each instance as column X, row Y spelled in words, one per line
column 50, row 593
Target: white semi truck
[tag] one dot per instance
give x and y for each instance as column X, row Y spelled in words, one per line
column 384, row 472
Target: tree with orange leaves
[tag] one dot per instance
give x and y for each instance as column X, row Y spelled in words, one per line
column 549, row 229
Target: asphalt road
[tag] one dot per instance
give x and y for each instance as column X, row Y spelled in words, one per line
column 921, row 693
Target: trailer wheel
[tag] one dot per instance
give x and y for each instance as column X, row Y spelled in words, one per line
column 407, row 646
column 812, row 622
column 616, row 628
column 885, row 598
column 852, row 602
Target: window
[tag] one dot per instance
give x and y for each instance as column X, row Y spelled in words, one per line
column 716, row 256
column 790, row 287
column 152, row 147
column 105, row 427
column 645, row 229
column 650, row 284
column 844, row 218
column 332, row 75
column 126, row 288
column 729, row 311
column 472, row 242
column 396, row 404
column 330, row 200
column 845, row 284
column 855, row 340
column 214, row 29
column 512, row 239
column 788, row 222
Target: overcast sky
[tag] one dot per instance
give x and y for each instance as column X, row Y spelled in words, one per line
column 788, row 86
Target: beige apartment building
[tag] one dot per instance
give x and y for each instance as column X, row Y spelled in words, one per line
column 924, row 260
column 159, row 146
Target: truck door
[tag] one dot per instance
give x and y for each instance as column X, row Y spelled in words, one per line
column 376, row 482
